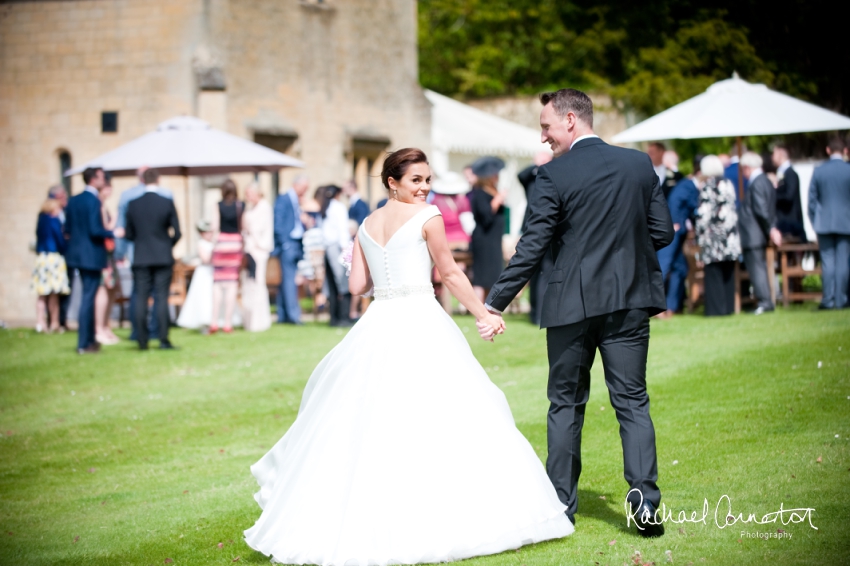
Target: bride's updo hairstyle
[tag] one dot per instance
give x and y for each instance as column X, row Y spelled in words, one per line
column 397, row 163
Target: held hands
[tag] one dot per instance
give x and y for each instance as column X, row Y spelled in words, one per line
column 489, row 325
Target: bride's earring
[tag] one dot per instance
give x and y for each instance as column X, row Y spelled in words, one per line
column 395, row 194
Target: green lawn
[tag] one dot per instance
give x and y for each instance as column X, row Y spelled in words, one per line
column 142, row 458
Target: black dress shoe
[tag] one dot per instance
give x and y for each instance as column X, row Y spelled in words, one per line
column 648, row 525
column 823, row 307
column 166, row 345
column 90, row 349
column 143, row 345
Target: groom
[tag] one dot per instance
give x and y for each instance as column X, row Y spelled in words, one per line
column 601, row 211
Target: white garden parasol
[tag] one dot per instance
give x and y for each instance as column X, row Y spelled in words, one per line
column 735, row 108
column 189, row 146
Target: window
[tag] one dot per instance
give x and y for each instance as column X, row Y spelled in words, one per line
column 108, row 122
column 278, row 141
column 64, row 165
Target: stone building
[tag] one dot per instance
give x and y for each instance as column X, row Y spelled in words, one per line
column 333, row 83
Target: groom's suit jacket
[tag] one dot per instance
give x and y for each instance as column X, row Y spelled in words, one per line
column 601, row 210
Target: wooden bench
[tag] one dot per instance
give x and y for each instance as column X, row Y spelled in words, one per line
column 790, row 268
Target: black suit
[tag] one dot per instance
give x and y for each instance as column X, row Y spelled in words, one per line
column 601, row 211
column 789, row 209
column 756, row 217
column 537, row 283
column 149, row 220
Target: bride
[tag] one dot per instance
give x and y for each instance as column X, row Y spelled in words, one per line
column 403, row 451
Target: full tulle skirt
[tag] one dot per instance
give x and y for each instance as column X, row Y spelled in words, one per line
column 403, row 452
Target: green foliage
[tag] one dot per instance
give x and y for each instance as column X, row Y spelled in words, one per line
column 135, row 458
column 479, row 48
column 647, row 57
column 698, row 55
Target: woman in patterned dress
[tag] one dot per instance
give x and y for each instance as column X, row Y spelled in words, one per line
column 227, row 255
column 717, row 236
column 50, row 276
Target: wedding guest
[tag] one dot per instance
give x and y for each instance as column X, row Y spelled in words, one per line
column 258, row 231
column 86, row 251
column 666, row 176
column 124, row 248
column 537, row 283
column 670, row 160
column 789, row 209
column 829, row 211
column 227, row 255
column 153, row 226
column 682, row 202
column 358, row 209
column 731, row 171
column 486, row 202
column 449, row 191
column 716, row 228
column 196, row 312
column 109, row 283
column 50, row 276
column 337, row 237
column 757, row 227
column 288, row 232
column 59, row 194
column 311, row 269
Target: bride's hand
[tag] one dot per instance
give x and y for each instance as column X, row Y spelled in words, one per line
column 489, row 325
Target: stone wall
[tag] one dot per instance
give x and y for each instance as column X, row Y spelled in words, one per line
column 340, row 78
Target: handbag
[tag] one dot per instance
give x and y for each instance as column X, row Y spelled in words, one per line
column 274, row 276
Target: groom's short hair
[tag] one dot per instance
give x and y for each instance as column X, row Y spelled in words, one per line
column 570, row 100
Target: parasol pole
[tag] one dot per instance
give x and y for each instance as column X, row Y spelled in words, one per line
column 740, row 172
column 187, row 205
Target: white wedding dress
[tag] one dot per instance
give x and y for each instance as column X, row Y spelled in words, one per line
column 403, row 451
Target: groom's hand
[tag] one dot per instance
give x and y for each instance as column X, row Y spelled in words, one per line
column 490, row 325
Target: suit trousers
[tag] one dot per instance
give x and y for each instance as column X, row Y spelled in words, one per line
column 85, row 320
column 622, row 338
column 674, row 271
column 835, row 261
column 145, row 278
column 756, row 262
column 288, row 309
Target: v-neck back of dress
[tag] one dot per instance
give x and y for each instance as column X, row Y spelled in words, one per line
column 404, row 261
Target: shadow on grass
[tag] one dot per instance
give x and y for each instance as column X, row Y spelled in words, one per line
column 591, row 504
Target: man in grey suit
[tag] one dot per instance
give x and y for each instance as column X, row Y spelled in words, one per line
column 829, row 211
column 599, row 210
column 757, row 227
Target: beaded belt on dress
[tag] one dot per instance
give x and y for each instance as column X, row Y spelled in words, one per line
column 384, row 293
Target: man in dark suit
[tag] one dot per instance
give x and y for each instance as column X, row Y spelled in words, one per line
column 537, row 283
column 757, row 227
column 601, row 212
column 86, row 251
column 829, row 211
column 668, row 177
column 731, row 172
column 682, row 201
column 358, row 209
column 789, row 209
column 154, row 229
column 288, row 231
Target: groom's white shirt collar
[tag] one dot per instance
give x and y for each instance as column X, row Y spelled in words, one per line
column 578, row 139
